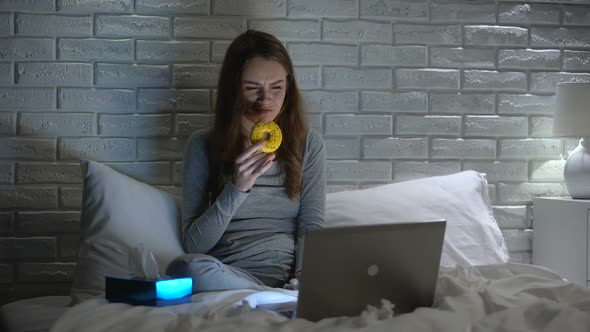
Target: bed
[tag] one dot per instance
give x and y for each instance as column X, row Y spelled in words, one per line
column 34, row 314
column 478, row 288
column 504, row 297
column 507, row 297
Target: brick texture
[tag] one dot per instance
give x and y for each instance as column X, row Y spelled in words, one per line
column 399, row 89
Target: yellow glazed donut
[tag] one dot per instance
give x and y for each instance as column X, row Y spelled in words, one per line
column 273, row 130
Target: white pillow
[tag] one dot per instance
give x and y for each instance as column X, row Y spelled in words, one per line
column 472, row 235
column 119, row 213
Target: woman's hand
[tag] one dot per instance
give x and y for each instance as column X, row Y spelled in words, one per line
column 294, row 283
column 250, row 164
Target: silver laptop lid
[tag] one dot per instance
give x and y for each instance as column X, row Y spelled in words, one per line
column 347, row 268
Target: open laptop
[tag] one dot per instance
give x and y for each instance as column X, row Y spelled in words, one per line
column 347, row 268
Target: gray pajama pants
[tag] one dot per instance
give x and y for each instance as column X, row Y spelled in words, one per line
column 209, row 274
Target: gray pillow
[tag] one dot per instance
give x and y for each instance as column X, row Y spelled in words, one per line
column 120, row 213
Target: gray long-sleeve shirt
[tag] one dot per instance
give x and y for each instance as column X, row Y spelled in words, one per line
column 259, row 231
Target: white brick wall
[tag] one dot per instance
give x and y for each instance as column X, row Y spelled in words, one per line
column 399, row 89
column 47, row 173
column 132, row 25
column 576, row 60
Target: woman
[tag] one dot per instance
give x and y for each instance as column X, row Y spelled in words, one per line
column 245, row 212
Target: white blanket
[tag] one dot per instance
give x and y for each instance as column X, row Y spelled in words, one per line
column 508, row 297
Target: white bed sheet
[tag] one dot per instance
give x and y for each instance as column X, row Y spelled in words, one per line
column 35, row 314
column 506, row 297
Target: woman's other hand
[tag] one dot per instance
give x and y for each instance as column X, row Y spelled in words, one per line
column 250, row 164
column 294, row 283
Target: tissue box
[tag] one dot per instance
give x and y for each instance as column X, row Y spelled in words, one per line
column 151, row 292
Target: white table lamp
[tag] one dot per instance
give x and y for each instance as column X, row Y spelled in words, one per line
column 572, row 119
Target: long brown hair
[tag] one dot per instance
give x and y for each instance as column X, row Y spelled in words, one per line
column 226, row 141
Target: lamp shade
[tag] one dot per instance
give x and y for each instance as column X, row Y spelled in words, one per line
column 572, row 115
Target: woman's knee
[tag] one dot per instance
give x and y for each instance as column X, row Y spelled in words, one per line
column 191, row 265
column 209, row 274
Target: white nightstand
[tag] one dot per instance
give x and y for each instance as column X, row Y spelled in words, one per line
column 561, row 237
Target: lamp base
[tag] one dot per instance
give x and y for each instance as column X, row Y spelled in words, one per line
column 577, row 171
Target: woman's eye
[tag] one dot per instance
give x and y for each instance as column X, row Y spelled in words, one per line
column 250, row 88
column 277, row 87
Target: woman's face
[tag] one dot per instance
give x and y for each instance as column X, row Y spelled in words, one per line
column 263, row 87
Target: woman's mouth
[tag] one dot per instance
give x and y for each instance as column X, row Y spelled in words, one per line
column 263, row 110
